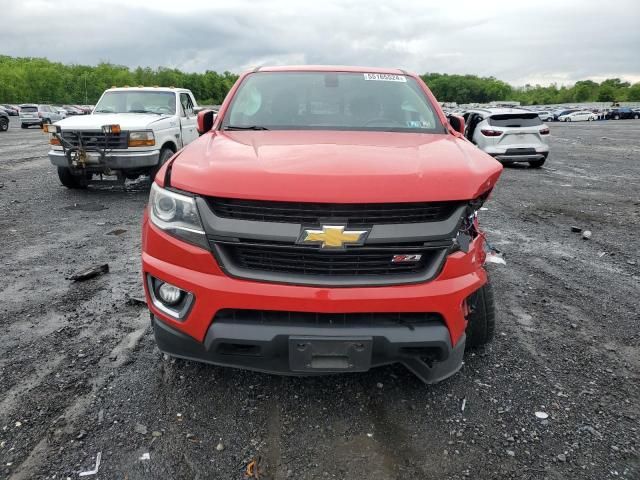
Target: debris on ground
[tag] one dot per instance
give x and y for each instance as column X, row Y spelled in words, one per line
column 575, row 229
column 141, row 429
column 586, row 234
column 117, row 232
column 254, row 469
column 493, row 257
column 220, row 447
column 542, row 415
column 95, row 469
column 464, row 404
column 90, row 273
column 86, row 207
column 145, row 456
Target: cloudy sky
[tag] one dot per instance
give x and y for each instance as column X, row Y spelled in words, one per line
column 539, row 41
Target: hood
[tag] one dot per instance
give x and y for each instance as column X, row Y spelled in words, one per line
column 127, row 121
column 334, row 167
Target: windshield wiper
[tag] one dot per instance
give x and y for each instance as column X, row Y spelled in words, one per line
column 242, row 127
column 103, row 111
column 142, row 111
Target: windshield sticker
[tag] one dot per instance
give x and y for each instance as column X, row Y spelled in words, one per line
column 418, row 124
column 385, row 77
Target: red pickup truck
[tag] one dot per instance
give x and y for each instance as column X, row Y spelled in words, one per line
column 325, row 221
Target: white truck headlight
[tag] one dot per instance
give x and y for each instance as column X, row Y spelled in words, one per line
column 143, row 138
column 177, row 215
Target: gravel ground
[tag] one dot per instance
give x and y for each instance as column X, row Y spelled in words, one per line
column 79, row 372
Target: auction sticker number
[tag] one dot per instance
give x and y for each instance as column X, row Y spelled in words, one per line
column 385, row 77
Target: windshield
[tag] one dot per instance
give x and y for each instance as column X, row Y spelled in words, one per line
column 137, row 102
column 331, row 101
column 515, row 120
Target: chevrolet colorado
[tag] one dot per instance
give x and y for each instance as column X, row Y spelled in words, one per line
column 325, row 221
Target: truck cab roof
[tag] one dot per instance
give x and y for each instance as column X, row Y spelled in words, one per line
column 147, row 89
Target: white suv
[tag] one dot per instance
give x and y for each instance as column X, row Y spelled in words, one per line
column 508, row 134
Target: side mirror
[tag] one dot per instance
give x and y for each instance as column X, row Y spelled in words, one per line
column 205, row 121
column 457, row 123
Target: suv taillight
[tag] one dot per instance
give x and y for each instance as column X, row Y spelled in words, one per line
column 491, row 133
column 544, row 131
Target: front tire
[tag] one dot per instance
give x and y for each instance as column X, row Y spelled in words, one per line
column 165, row 154
column 4, row 124
column 617, row 117
column 69, row 180
column 481, row 323
column 22, row 125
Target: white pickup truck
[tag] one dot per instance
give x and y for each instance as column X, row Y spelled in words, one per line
column 132, row 131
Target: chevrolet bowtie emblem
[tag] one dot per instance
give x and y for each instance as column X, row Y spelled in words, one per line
column 332, row 236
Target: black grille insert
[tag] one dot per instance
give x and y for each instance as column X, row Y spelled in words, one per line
column 304, row 260
column 381, row 319
column 312, row 213
column 98, row 139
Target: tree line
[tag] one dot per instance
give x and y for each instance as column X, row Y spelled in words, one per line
column 43, row 81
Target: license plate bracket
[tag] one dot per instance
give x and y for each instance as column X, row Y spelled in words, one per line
column 329, row 354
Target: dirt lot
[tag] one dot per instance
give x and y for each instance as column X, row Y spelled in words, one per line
column 79, row 372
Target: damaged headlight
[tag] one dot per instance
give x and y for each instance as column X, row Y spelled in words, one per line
column 469, row 226
column 177, row 215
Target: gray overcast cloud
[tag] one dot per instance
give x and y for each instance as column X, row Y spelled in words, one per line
column 519, row 42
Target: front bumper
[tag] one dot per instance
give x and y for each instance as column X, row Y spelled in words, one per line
column 199, row 337
column 281, row 348
column 116, row 160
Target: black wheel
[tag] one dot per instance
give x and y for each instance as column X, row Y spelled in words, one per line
column 165, row 154
column 636, row 116
column 22, row 125
column 4, row 124
column 482, row 319
column 69, row 180
column 537, row 163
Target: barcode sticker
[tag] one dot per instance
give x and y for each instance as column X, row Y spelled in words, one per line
column 385, row 77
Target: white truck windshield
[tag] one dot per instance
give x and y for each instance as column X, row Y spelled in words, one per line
column 137, row 102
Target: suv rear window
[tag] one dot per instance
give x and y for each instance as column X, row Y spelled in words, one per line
column 28, row 109
column 515, row 120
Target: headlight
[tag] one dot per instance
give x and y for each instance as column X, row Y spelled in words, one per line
column 177, row 215
column 141, row 139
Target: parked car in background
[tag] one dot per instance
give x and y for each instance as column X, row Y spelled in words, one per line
column 508, row 134
column 620, row 113
column 546, row 116
column 579, row 116
column 84, row 109
column 71, row 110
column 558, row 113
column 61, row 111
column 131, row 132
column 10, row 109
column 4, row 121
column 32, row 114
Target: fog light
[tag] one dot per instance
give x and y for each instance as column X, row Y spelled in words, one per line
column 169, row 294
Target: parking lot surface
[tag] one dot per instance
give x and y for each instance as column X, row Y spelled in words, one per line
column 80, row 374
